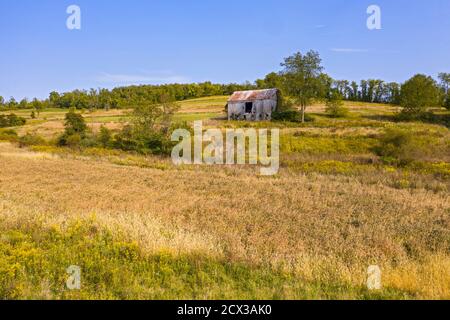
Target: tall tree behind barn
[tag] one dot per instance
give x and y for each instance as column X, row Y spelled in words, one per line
column 254, row 105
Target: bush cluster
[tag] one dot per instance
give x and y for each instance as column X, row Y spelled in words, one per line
column 290, row 116
column 402, row 147
column 11, row 120
column 30, row 139
column 335, row 106
column 8, row 135
column 149, row 131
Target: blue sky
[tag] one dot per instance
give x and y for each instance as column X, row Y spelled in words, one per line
column 159, row 41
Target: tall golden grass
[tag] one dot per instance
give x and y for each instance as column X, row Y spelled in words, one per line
column 324, row 228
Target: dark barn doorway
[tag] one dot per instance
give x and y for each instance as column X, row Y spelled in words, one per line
column 248, row 107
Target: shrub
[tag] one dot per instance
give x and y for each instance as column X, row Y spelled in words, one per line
column 447, row 102
column 11, row 120
column 89, row 141
column 150, row 128
column 149, row 143
column 75, row 124
column 73, row 140
column 104, row 137
column 9, row 132
column 31, row 140
column 124, row 139
column 75, row 130
column 290, row 116
column 8, row 135
column 284, row 103
column 402, row 147
column 69, row 140
column 335, row 106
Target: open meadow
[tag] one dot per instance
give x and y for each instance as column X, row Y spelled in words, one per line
column 142, row 228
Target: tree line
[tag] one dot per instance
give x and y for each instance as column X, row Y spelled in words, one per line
column 124, row 97
column 371, row 90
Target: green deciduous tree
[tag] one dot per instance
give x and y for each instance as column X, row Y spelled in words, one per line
column 393, row 93
column 272, row 81
column 302, row 78
column 445, row 86
column 54, row 99
column 37, row 105
column 364, row 94
column 354, row 91
column 75, row 130
column 75, row 124
column 343, row 87
column 23, row 104
column 12, row 104
column 418, row 94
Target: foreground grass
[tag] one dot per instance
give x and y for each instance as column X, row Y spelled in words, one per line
column 33, row 263
column 194, row 233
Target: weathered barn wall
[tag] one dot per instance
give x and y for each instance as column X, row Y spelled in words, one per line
column 264, row 103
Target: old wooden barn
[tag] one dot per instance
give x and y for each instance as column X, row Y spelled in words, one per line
column 253, row 105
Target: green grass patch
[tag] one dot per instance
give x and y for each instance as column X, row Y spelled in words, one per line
column 440, row 170
column 189, row 117
column 327, row 145
column 213, row 100
column 107, row 119
column 329, row 167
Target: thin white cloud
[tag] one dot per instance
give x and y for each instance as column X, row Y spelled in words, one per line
column 319, row 26
column 349, row 50
column 157, row 78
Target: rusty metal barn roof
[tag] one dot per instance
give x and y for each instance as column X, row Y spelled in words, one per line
column 253, row 95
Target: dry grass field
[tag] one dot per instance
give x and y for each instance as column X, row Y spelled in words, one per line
column 140, row 227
